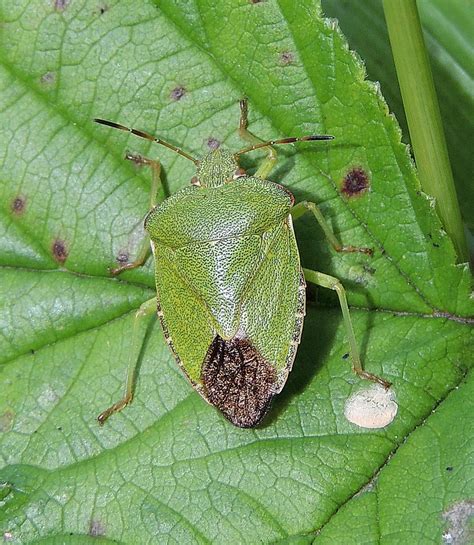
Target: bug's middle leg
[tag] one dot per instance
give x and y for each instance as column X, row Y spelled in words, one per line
column 268, row 164
column 144, row 249
column 307, row 206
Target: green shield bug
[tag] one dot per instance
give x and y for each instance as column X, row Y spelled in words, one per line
column 230, row 287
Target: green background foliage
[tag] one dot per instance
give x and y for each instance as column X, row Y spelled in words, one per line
column 170, row 469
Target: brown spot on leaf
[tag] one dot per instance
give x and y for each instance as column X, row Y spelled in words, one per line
column 257, row 1
column 355, row 182
column 178, row 93
column 213, row 143
column 286, row 58
column 59, row 250
column 103, row 9
column 96, row 528
column 61, row 5
column 48, row 78
column 238, row 381
column 18, row 205
column 122, row 257
column 6, row 420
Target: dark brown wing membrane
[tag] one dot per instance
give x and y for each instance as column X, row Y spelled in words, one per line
column 238, row 381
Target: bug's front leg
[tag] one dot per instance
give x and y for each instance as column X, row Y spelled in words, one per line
column 333, row 283
column 269, row 163
column 307, row 206
column 144, row 250
column 146, row 310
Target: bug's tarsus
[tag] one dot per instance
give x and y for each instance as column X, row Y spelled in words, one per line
column 373, row 378
column 115, row 408
column 138, row 159
column 147, row 136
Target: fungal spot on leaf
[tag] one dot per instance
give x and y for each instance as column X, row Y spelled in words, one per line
column 286, row 58
column 122, row 257
column 18, row 205
column 238, row 381
column 7, row 536
column 61, row 5
column 178, row 93
column 213, row 143
column 355, row 182
column 60, row 251
column 96, row 528
column 459, row 517
column 48, row 78
column 103, row 9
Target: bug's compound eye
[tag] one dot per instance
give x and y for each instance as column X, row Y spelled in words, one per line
column 195, row 181
column 239, row 173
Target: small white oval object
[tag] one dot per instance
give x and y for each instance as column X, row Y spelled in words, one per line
column 372, row 408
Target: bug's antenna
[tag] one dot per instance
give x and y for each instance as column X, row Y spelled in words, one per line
column 147, row 136
column 290, row 140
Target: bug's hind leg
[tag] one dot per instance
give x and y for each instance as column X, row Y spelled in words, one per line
column 143, row 314
column 144, row 250
column 333, row 283
column 269, row 163
column 306, row 206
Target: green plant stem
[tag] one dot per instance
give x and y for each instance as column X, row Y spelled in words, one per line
column 423, row 116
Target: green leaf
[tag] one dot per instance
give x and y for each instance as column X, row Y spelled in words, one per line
column 447, row 32
column 425, row 491
column 169, row 468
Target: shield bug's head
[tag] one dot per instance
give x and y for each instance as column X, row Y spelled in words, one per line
column 217, row 168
